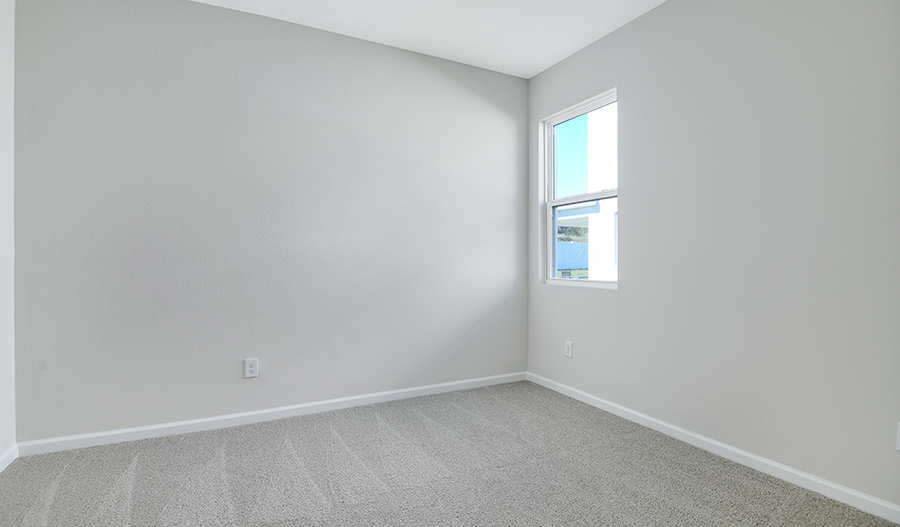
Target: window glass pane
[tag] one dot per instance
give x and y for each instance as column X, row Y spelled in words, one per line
column 586, row 240
column 585, row 153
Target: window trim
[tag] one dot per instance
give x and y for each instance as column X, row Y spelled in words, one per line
column 546, row 175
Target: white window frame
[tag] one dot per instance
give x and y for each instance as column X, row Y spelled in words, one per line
column 545, row 165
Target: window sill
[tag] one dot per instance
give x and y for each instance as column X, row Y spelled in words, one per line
column 582, row 283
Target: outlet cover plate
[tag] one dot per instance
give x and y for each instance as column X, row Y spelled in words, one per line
column 251, row 368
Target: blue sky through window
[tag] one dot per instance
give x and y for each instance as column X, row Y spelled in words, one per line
column 571, row 157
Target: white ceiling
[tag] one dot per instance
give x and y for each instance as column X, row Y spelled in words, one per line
column 518, row 37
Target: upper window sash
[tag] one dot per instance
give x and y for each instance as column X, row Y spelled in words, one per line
column 548, row 138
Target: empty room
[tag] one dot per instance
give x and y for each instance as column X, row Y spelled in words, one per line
column 452, row 262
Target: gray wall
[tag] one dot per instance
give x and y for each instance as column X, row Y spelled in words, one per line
column 7, row 244
column 196, row 186
column 759, row 293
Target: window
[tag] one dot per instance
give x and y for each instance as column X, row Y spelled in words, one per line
column 580, row 175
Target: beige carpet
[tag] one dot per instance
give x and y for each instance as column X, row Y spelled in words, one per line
column 515, row 454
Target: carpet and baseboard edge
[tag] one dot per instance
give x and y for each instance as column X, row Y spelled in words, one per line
column 871, row 504
column 57, row 444
column 864, row 502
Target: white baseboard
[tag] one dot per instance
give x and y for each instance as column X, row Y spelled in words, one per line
column 871, row 504
column 56, row 444
column 9, row 456
column 878, row 507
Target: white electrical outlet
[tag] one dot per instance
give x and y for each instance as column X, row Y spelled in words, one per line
column 569, row 349
column 898, row 436
column 251, row 368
